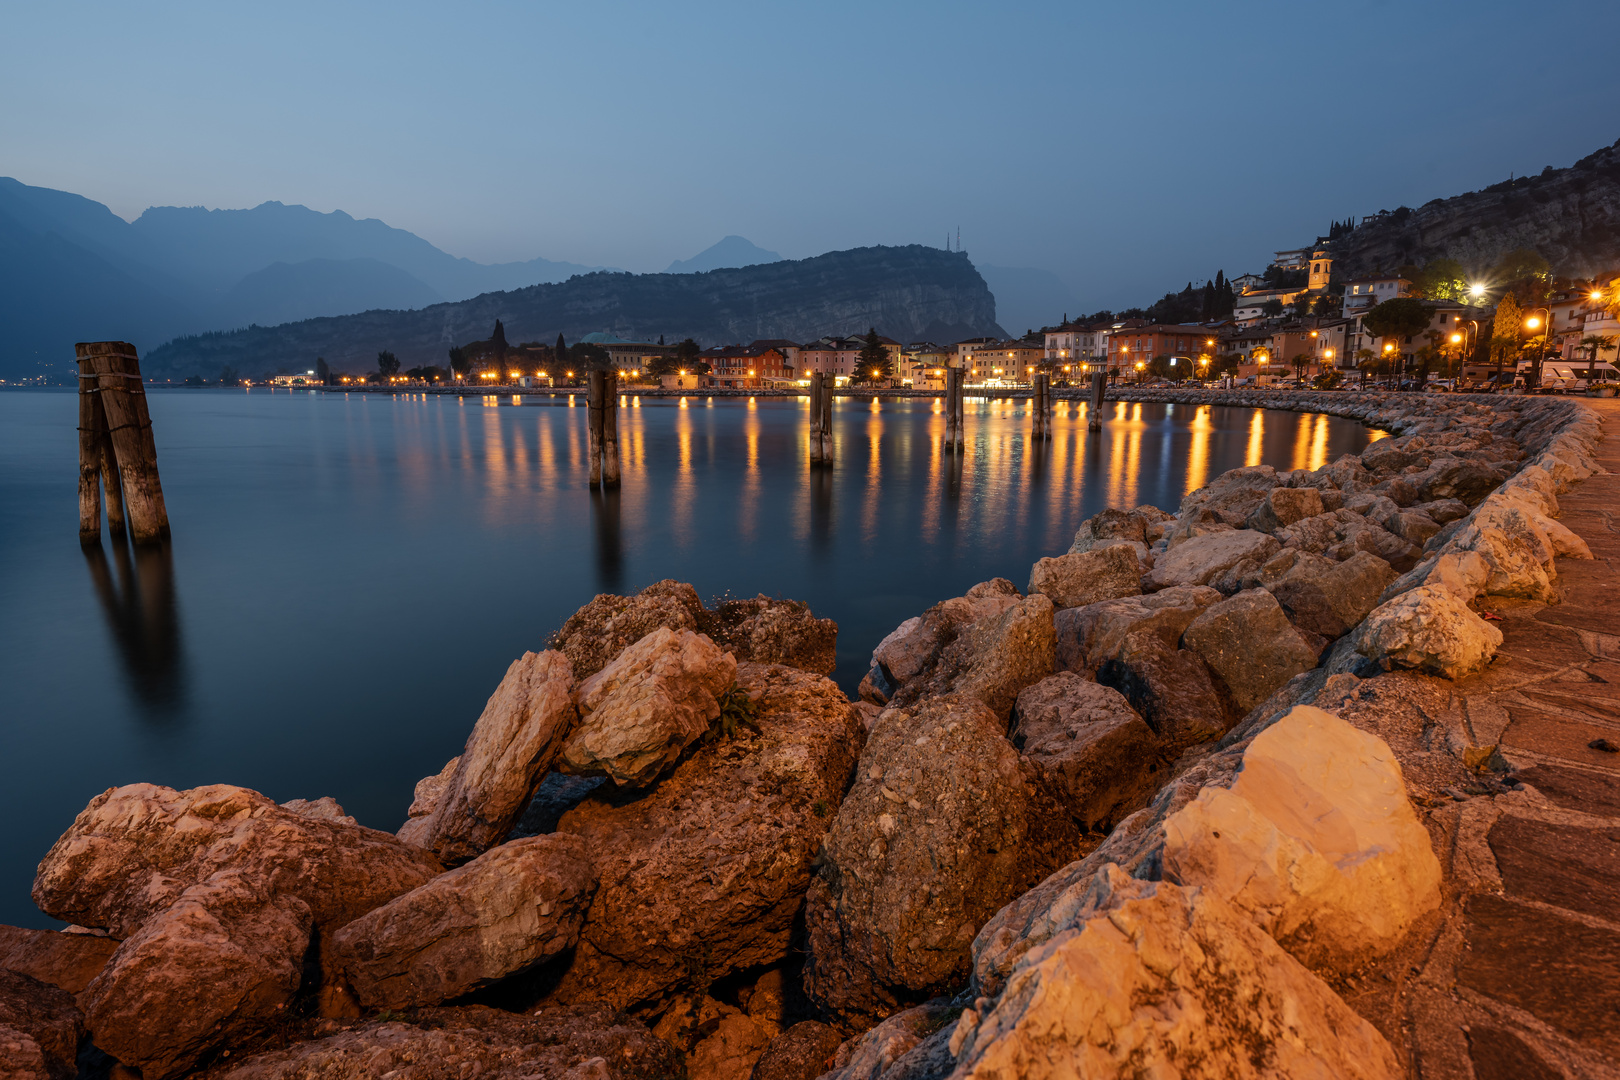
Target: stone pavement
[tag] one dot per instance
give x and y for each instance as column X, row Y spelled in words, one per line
column 1518, row 976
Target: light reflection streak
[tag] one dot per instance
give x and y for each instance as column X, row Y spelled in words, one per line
column 1198, row 452
column 1257, row 435
column 1319, row 447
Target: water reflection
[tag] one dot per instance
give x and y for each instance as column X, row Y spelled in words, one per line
column 144, row 620
column 609, row 540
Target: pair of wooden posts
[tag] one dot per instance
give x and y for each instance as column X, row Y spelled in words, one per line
column 116, row 451
column 1040, row 407
column 955, row 381
column 602, row 424
column 821, row 399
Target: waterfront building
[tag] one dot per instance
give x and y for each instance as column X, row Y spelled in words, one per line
column 1129, row 346
column 1366, row 293
column 923, row 365
column 747, row 367
column 1004, row 363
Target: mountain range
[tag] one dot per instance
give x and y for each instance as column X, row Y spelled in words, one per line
column 907, row 293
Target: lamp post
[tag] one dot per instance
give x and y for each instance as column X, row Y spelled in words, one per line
column 1532, row 382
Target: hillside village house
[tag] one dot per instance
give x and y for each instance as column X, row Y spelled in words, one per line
column 1364, row 294
column 1250, row 308
column 830, row 355
column 1598, row 319
column 747, row 367
column 1130, row 346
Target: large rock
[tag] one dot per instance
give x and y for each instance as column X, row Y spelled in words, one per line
column 768, row 631
column 609, row 624
column 133, row 851
column 1429, row 629
column 1211, row 559
column 1456, row 478
column 508, row 753
column 1089, row 748
column 509, row 909
column 220, row 962
column 945, row 824
column 1315, row 840
column 729, row 1052
column 1160, row 980
column 1249, row 646
column 589, row 1042
column 1284, row 506
column 705, row 874
column 639, row 714
column 1111, row 524
column 1517, row 552
column 888, row 1050
column 1089, row 636
column 1235, row 491
column 40, row 1029
column 424, row 800
column 802, row 1052
column 1077, row 579
column 915, row 645
column 992, row 659
column 1324, row 596
column 63, row 959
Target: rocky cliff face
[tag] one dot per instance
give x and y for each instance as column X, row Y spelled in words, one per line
column 907, row 293
column 1571, row 216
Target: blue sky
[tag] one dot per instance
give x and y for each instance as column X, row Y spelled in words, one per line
column 1128, row 147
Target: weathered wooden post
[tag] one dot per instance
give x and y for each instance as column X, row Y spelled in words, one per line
column 815, row 418
column 595, row 390
column 610, row 432
column 110, row 371
column 958, row 412
column 825, row 426
column 1099, row 384
column 1037, row 408
column 92, row 436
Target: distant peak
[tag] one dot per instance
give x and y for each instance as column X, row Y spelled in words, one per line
column 732, row 251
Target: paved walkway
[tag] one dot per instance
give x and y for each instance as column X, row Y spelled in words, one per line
column 1520, row 979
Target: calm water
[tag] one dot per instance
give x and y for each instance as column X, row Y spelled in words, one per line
column 351, row 575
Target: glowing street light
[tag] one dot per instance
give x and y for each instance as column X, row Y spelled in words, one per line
column 1476, row 290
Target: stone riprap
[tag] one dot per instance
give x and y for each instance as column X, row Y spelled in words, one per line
column 1313, row 776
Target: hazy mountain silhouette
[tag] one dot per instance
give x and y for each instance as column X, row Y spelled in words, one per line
column 287, row 292
column 732, row 252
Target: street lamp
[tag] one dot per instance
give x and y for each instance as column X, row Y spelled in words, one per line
column 1476, row 290
column 1532, row 323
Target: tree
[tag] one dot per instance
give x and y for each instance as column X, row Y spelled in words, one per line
column 687, row 353
column 1272, row 308
column 387, row 363
column 1506, row 328
column 1595, row 344
column 323, row 371
column 228, row 376
column 872, row 363
column 1441, row 279
column 460, row 362
column 1301, row 361
column 1401, row 318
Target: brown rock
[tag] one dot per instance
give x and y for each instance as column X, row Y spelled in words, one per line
column 1456, row 478
column 1089, row 636
column 1237, row 491
column 40, row 1029
column 1170, row 687
column 1324, row 596
column 768, row 631
column 609, row 624
column 1077, row 579
column 883, row 1051
column 509, row 909
column 1249, row 646
column 135, row 849
column 640, row 713
column 588, row 1042
column 729, row 1053
column 1110, row 524
column 802, row 1052
column 66, row 960
column 1284, row 506
column 1089, row 748
column 915, row 645
column 1210, row 559
column 704, row 874
column 993, row 659
column 429, row 790
column 507, row 755
column 945, row 824
column 219, row 962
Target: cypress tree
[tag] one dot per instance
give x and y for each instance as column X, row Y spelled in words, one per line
column 562, row 350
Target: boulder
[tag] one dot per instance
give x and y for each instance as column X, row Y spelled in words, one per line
column 1444, row 511
column 1431, row 630
column 1374, row 507
column 992, row 659
column 1236, row 491
column 768, row 631
column 1323, row 596
column 1249, row 646
column 589, row 1042
column 802, row 1052
column 509, row 752
column 425, row 799
column 511, row 908
column 1348, row 474
column 945, row 823
column 1283, row 506
column 1317, row 534
column 1110, row 524
column 639, row 714
column 324, row 808
column 1398, row 489
column 729, row 1052
column 1170, row 687
column 1161, row 980
column 1315, row 840
column 1517, row 552
column 609, row 624
column 217, row 964
column 705, row 874
column 1374, row 539
column 64, row 959
column 1089, row 748
column 1456, row 478
column 134, row 850
column 885, row 1050
column 1088, row 577
column 1210, row 559
column 1413, row 526
column 40, row 1029
column 915, row 645
column 1089, row 636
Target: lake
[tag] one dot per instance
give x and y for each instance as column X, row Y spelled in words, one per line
column 351, row 574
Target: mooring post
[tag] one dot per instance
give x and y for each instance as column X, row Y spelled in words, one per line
column 1046, row 405
column 1099, row 384
column 815, row 418
column 828, row 382
column 594, row 390
column 1037, row 424
column 610, row 432
column 122, row 399
column 92, row 437
column 961, row 410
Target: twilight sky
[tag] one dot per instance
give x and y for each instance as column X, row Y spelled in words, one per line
column 1126, row 146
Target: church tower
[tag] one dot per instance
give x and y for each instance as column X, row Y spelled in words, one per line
column 1321, row 269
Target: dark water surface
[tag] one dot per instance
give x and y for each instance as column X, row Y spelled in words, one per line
column 351, row 574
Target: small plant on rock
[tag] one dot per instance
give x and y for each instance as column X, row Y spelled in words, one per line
column 737, row 711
